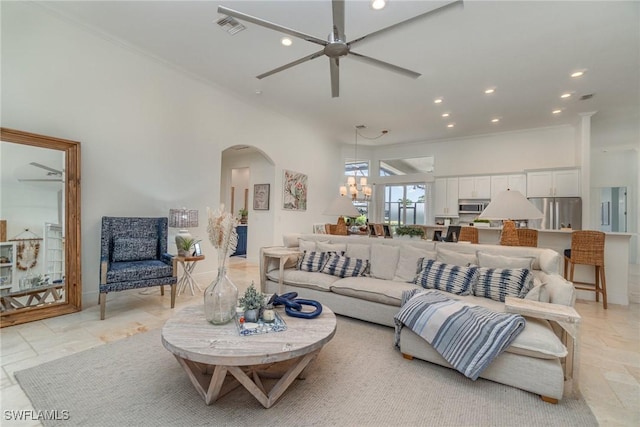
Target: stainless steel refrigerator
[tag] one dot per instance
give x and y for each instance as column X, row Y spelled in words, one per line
column 559, row 212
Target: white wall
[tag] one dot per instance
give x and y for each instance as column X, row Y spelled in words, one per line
column 151, row 136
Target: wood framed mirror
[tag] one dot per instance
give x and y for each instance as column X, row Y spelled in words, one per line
column 40, row 250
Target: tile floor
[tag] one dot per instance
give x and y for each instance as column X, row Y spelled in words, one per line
column 609, row 364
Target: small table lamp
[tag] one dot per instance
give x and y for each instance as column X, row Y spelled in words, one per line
column 341, row 206
column 508, row 206
column 183, row 218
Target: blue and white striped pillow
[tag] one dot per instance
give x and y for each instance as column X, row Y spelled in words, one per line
column 447, row 277
column 498, row 283
column 312, row 261
column 342, row 266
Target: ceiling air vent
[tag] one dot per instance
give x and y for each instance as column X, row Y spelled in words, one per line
column 230, row 25
column 587, row 96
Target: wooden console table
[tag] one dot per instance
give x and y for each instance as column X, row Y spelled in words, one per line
column 564, row 316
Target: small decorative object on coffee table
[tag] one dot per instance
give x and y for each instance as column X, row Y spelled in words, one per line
column 252, row 302
column 221, row 297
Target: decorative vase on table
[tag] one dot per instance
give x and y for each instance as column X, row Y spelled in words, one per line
column 221, row 297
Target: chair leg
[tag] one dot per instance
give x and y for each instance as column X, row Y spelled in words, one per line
column 597, row 283
column 173, row 295
column 162, row 290
column 566, row 266
column 603, row 284
column 103, row 305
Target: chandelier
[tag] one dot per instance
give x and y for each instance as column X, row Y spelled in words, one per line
column 358, row 188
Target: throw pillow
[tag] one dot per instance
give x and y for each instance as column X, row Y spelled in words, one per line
column 312, row 261
column 539, row 291
column 450, row 278
column 498, row 283
column 343, row 266
column 500, row 261
column 384, row 259
column 134, row 249
column 331, row 247
column 452, row 257
column 410, row 263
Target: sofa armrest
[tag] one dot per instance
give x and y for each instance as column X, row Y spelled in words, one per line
column 104, row 266
column 170, row 260
column 560, row 291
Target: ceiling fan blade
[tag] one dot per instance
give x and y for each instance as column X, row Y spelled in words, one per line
column 338, row 19
column 291, row 64
column 39, row 165
column 334, row 69
column 385, row 65
column 440, row 9
column 271, row 25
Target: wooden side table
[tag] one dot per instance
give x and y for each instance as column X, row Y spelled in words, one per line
column 283, row 255
column 564, row 316
column 188, row 264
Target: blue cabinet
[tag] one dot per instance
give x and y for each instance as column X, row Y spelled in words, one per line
column 241, row 249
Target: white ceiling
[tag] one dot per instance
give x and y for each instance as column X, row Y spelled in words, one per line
column 526, row 50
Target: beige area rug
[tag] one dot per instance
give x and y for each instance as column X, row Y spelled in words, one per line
column 358, row 379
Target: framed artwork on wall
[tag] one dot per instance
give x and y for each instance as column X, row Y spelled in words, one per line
column 294, row 191
column 261, row 193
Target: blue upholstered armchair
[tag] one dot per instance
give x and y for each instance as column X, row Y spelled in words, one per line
column 133, row 254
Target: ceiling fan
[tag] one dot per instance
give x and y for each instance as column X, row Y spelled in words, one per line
column 336, row 46
column 50, row 172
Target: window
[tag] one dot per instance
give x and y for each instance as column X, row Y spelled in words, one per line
column 356, row 168
column 393, row 167
column 405, row 204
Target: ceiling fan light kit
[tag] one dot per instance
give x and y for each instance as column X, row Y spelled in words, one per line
column 336, row 46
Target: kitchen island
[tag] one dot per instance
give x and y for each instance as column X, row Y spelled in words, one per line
column 616, row 258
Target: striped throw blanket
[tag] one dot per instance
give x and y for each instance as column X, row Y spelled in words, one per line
column 467, row 336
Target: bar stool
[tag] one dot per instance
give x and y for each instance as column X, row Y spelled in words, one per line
column 527, row 237
column 587, row 248
column 468, row 234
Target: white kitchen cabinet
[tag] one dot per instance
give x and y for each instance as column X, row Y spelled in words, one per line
column 446, row 197
column 500, row 183
column 53, row 251
column 474, row 187
column 556, row 183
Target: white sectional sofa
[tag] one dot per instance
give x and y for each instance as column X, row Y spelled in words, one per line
column 533, row 362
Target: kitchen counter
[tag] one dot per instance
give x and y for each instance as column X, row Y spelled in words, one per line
column 616, row 258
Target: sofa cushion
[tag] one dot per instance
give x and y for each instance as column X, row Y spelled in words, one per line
column 134, row 249
column 304, row 279
column 410, row 264
column 331, row 247
column 501, row 261
column 343, row 266
column 307, row 245
column 498, row 283
column 129, row 271
column 452, row 257
column 384, row 259
column 450, row 278
column 371, row 289
column 357, row 250
column 312, row 261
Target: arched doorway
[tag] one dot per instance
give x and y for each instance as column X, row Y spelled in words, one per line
column 247, row 180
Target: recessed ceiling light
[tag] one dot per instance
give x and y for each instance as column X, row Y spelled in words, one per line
column 437, row 101
column 496, row 120
column 445, row 114
column 378, row 4
column 450, row 125
column 565, row 95
column 286, row 41
column 558, row 111
column 490, row 90
column 577, row 74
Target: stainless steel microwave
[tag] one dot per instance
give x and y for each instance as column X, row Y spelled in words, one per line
column 474, row 206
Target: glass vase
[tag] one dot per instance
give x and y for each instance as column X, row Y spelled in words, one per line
column 220, row 299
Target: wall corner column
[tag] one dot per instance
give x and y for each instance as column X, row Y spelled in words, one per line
column 583, row 158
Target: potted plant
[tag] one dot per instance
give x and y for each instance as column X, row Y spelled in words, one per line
column 411, row 232
column 243, row 215
column 251, row 302
column 481, row 222
column 185, row 246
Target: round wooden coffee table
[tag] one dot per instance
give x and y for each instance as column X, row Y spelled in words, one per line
column 212, row 353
